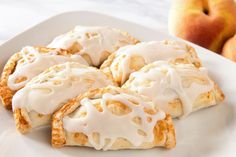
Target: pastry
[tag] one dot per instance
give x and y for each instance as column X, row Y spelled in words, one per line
column 112, row 118
column 177, row 89
column 95, row 44
column 133, row 57
column 28, row 63
column 34, row 104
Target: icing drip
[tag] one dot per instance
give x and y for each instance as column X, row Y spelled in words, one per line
column 33, row 62
column 110, row 126
column 164, row 82
column 149, row 51
column 93, row 41
column 50, row 89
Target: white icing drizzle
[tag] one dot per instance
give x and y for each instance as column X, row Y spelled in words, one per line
column 149, row 51
column 93, row 40
column 164, row 82
column 33, row 62
column 110, row 126
column 49, row 90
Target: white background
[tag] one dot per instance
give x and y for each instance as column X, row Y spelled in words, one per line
column 18, row 15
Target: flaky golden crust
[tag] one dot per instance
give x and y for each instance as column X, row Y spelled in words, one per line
column 6, row 93
column 22, row 120
column 218, row 93
column 105, row 67
column 131, row 38
column 164, row 132
column 25, row 120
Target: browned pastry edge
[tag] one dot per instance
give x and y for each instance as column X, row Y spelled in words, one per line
column 218, row 93
column 22, row 120
column 25, row 121
column 134, row 40
column 6, row 93
column 105, row 67
column 210, row 98
column 164, row 128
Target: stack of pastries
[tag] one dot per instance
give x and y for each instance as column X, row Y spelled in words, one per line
column 100, row 87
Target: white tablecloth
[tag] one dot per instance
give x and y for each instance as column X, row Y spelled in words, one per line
column 18, row 15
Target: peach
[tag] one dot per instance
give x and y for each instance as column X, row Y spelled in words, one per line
column 208, row 23
column 229, row 49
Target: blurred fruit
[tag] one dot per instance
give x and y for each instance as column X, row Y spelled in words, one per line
column 208, row 23
column 229, row 49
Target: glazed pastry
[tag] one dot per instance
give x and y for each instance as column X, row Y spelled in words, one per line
column 95, row 44
column 28, row 63
column 177, row 89
column 34, row 104
column 133, row 57
column 112, row 118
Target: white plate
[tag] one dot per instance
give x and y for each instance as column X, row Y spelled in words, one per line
column 210, row 132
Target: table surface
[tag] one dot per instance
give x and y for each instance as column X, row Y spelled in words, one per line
column 17, row 16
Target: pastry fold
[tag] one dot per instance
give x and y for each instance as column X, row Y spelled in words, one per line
column 34, row 104
column 95, row 44
column 112, row 118
column 178, row 89
column 28, row 63
column 131, row 58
